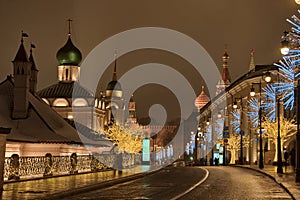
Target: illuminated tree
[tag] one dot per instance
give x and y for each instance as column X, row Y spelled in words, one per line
column 234, row 143
column 287, row 131
column 127, row 139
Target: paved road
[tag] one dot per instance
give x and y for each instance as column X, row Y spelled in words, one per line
column 222, row 183
column 237, row 183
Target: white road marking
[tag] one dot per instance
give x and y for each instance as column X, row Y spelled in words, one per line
column 193, row 187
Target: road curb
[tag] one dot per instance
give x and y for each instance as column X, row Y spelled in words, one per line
column 97, row 186
column 269, row 175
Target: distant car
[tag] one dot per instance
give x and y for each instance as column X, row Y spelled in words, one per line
column 189, row 163
column 179, row 163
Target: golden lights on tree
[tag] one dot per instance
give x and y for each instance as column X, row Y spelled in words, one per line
column 287, row 131
column 127, row 139
column 233, row 145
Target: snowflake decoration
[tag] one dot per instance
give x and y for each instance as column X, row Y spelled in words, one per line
column 236, row 121
column 253, row 111
column 269, row 103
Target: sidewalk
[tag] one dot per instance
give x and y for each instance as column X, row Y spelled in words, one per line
column 60, row 186
column 286, row 180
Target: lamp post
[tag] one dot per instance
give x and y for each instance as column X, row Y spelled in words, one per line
column 241, row 131
column 297, row 93
column 267, row 79
column 261, row 159
column 212, row 141
column 279, row 153
column 196, row 144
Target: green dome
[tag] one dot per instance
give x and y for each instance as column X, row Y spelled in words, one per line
column 114, row 85
column 69, row 54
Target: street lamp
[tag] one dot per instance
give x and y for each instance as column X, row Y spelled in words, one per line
column 261, row 159
column 285, row 43
column 241, row 131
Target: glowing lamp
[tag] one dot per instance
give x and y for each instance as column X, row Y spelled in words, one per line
column 207, row 122
column 285, row 43
column 252, row 92
column 268, row 77
column 235, row 105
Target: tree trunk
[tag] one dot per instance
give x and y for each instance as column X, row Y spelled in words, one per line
column 232, row 160
column 276, row 151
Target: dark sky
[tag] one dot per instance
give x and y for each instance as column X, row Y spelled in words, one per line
column 241, row 24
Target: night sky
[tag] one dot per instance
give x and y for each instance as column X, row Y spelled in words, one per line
column 240, row 24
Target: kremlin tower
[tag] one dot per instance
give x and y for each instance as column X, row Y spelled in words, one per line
column 225, row 77
column 201, row 100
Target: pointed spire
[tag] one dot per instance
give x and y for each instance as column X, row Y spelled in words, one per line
column 131, row 99
column 203, row 90
column 115, row 67
column 225, row 71
column 33, row 66
column 69, row 23
column 252, row 65
column 225, row 55
column 21, row 54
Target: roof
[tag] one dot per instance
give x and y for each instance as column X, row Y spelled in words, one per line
column 114, row 85
column 21, row 54
column 65, row 90
column 256, row 72
column 69, row 54
column 202, row 99
column 43, row 124
column 31, row 59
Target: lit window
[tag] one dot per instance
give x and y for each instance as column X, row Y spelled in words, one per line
column 60, row 102
column 80, row 102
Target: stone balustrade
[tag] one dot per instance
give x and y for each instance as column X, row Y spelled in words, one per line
column 16, row 167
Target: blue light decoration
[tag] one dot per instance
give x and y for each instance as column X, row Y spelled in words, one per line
column 269, row 103
column 236, row 121
column 285, row 87
column 219, row 128
column 253, row 111
column 208, row 133
column 288, row 65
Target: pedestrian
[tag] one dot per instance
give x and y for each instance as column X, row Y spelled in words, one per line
column 293, row 158
column 216, row 161
column 286, row 156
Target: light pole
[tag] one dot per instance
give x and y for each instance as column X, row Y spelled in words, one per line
column 285, row 50
column 261, row 159
column 297, row 93
column 241, row 131
column 279, row 153
column 267, row 78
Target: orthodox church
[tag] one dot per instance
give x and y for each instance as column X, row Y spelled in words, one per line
column 37, row 129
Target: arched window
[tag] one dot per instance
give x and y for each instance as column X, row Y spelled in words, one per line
column 80, row 102
column 60, row 102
